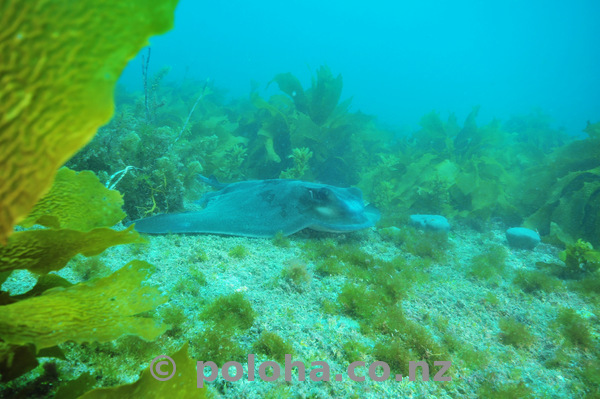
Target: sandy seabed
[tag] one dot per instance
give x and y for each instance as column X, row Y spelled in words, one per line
column 297, row 315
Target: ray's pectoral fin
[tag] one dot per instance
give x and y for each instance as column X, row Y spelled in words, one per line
column 372, row 214
column 166, row 223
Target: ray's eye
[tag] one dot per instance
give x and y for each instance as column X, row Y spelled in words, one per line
column 321, row 194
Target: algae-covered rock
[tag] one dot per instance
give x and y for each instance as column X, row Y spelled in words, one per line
column 522, row 238
column 430, row 222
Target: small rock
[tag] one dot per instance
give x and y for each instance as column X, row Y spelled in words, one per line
column 522, row 238
column 430, row 222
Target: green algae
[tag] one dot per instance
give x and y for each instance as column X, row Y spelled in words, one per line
column 273, row 346
column 489, row 265
column 238, row 252
column 514, row 333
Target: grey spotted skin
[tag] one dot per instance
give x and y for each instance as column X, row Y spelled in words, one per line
column 262, row 208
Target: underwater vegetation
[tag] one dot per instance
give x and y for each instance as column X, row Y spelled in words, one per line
column 464, row 172
column 226, row 317
column 320, row 100
column 571, row 175
column 446, row 169
column 296, row 274
column 56, row 107
column 156, row 144
column 475, row 173
column 489, row 265
column 239, row 252
column 514, row 333
column 55, row 310
column 578, row 271
column 154, row 161
column 149, row 387
column 50, row 110
column 273, row 346
column 373, row 295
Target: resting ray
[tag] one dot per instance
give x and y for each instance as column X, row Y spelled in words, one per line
column 262, row 208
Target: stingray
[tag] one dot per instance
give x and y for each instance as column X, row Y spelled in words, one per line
column 262, row 208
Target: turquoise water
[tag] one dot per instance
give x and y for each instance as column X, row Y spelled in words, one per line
column 400, row 60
